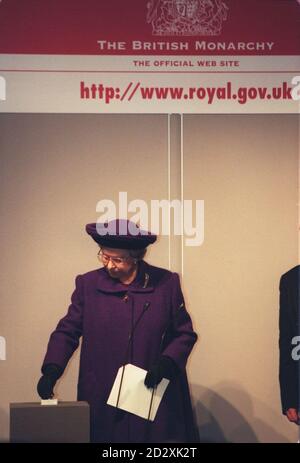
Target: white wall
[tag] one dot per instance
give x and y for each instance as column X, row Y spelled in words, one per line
column 55, row 168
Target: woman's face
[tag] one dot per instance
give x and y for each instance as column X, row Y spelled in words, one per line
column 118, row 262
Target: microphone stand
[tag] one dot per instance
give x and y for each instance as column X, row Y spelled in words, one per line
column 145, row 308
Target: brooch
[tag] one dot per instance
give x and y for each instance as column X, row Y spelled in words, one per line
column 146, row 280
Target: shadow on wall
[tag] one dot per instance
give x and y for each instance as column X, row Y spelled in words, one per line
column 3, row 423
column 219, row 421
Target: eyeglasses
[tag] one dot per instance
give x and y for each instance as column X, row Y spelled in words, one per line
column 115, row 260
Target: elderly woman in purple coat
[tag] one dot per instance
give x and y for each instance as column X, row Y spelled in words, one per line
column 126, row 312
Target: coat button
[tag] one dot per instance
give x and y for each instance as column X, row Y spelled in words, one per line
column 125, row 298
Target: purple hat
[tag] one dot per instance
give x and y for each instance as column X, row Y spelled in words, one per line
column 120, row 233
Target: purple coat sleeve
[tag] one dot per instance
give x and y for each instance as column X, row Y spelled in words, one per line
column 183, row 337
column 65, row 339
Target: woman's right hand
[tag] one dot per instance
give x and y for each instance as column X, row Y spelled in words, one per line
column 48, row 380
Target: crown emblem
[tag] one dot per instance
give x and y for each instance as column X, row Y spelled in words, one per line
column 186, row 17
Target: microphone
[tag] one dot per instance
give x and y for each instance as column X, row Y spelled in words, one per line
column 145, row 308
column 130, row 337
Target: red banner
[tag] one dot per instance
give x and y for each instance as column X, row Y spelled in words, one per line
column 150, row 27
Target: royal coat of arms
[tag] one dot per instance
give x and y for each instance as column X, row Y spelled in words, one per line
column 186, row 17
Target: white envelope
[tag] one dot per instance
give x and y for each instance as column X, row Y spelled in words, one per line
column 135, row 397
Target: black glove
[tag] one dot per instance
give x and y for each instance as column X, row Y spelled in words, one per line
column 51, row 373
column 164, row 368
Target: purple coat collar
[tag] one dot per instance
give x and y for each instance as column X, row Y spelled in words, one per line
column 143, row 283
